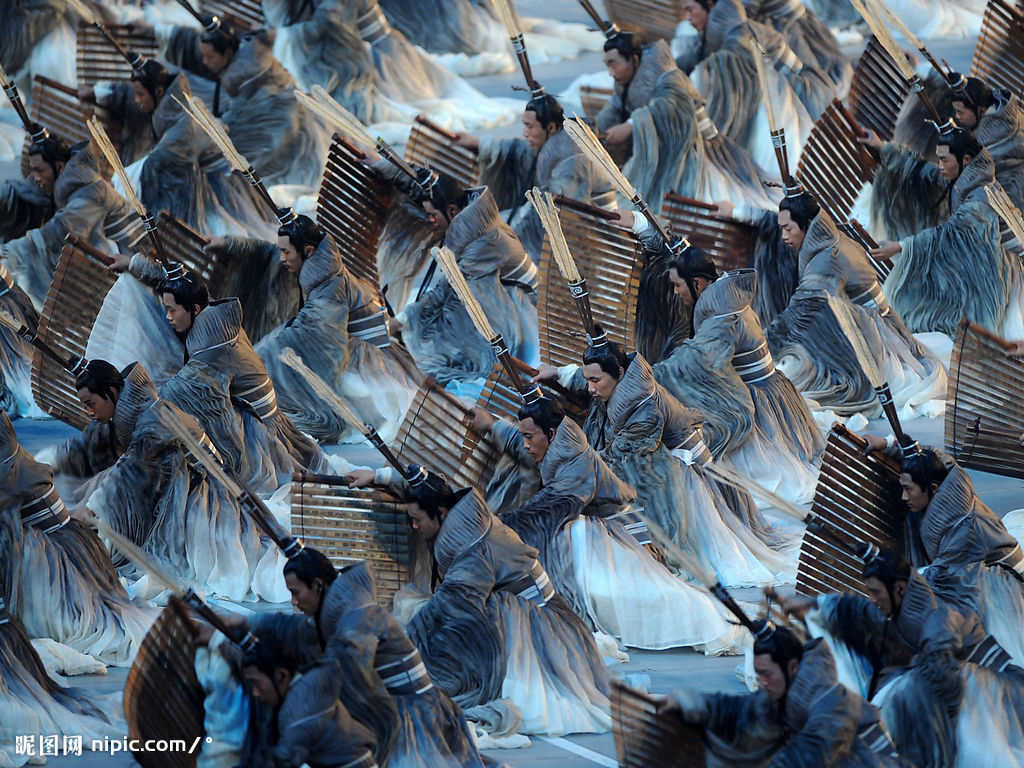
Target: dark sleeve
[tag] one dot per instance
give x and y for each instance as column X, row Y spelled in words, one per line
column 87, row 454
column 827, row 738
column 183, row 51
column 855, row 621
column 21, row 208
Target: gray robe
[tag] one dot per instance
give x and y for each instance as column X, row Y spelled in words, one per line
column 340, row 330
column 927, row 284
column 667, row 146
column 23, row 206
column 285, row 142
column 732, row 89
column 492, row 581
column 1001, row 131
column 819, row 724
column 312, row 727
column 87, row 205
column 437, row 329
column 64, row 585
column 511, row 167
column 934, row 649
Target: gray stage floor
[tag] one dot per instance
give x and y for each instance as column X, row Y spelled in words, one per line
column 664, row 670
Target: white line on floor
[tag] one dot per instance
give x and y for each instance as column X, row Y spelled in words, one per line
column 576, row 749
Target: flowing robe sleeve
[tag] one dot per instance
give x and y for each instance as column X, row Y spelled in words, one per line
column 171, row 178
column 354, row 646
column 88, row 453
column 506, row 168
column 829, row 736
column 457, row 632
column 699, row 373
column 23, row 206
column 908, row 193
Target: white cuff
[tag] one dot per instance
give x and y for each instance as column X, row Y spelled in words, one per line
column 103, row 90
column 382, row 476
column 640, row 224
column 566, row 374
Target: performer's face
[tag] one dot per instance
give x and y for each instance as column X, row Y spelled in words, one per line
column 878, row 594
column 438, row 220
column 290, row 258
column 214, row 61
column 305, row 598
column 964, row 116
column 948, row 165
column 600, row 384
column 621, row 68
column 97, row 406
column 695, row 14
column 263, row 688
column 42, row 173
column 144, row 98
column 178, row 316
column 535, row 133
column 915, row 497
column 535, row 440
column 770, row 675
column 682, row 290
column 792, row 235
column 421, row 522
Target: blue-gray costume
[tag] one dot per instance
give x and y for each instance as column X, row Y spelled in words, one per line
column 819, row 723
column 932, row 665
column 63, row 584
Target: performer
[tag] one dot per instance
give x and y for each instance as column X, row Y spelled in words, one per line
column 24, row 203
column 927, row 285
column 217, row 350
column 503, row 278
column 655, row 444
column 383, row 682
column 838, row 307
column 720, row 59
column 545, row 157
column 973, row 563
column 369, row 68
column 63, row 585
column 938, row 675
column 310, row 725
column 993, row 115
column 155, row 498
column 782, row 450
column 583, row 524
column 185, row 172
column 32, row 703
column 658, row 113
column 85, row 204
column 255, row 97
column 341, row 332
column 801, row 716
column 808, row 36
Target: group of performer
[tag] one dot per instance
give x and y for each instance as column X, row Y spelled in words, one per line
column 632, row 488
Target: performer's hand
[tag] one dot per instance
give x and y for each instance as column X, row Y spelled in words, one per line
column 360, row 478
column 201, row 632
column 871, row 140
column 217, row 245
column 875, row 443
column 687, row 704
column 119, row 262
column 84, row 515
column 1017, row 350
column 885, row 250
column 140, row 27
column 467, row 140
column 667, row 706
column 619, row 134
column 87, row 94
column 626, row 219
column 482, row 420
column 724, row 209
column 796, row 606
column 545, row 372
